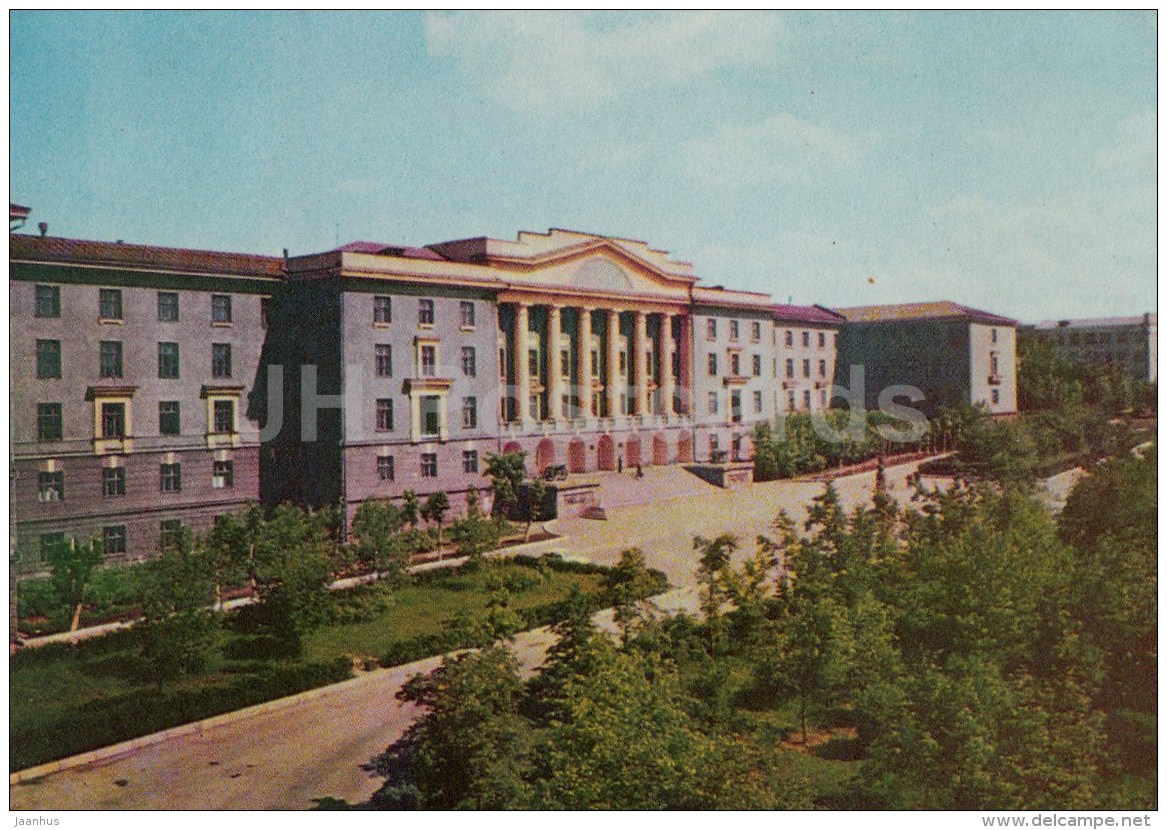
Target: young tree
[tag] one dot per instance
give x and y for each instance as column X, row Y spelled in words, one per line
column 627, row 584
column 435, row 509
column 293, row 553
column 228, row 547
column 712, row 574
column 410, row 508
column 474, row 534
column 506, row 472
column 376, row 526
column 536, row 493
column 71, row 567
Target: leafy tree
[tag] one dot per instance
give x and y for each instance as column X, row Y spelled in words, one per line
column 536, row 493
column 626, row 584
column 410, row 508
column 474, row 534
column 229, row 548
column 712, row 574
column 435, row 509
column 376, row 526
column 175, row 590
column 293, row 555
column 506, row 472
column 71, row 567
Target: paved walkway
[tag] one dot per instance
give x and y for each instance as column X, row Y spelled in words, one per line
column 285, row 757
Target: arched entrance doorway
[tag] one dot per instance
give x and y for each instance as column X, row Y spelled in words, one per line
column 606, row 453
column 544, row 455
column 685, row 448
column 577, row 456
column 632, row 451
column 660, row 449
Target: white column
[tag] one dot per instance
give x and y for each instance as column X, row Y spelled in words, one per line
column 640, row 344
column 666, row 364
column 613, row 381
column 554, row 370
column 584, row 373
column 522, row 367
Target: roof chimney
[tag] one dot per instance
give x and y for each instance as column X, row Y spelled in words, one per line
column 44, row 228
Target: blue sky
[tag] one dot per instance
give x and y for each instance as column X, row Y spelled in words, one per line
column 1002, row 160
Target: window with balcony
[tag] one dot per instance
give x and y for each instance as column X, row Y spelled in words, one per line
column 224, row 416
column 222, row 475
column 110, row 359
column 221, row 360
column 467, row 310
column 113, row 538
column 109, row 304
column 48, row 422
column 220, row 308
column 425, row 312
column 385, row 467
column 48, row 359
column 50, row 486
column 48, row 301
column 170, row 478
column 168, row 306
column 470, row 461
column 429, row 361
column 113, row 420
column 168, row 418
column 469, row 361
column 429, row 465
column 167, row 360
column 469, row 413
column 113, row 482
column 383, row 360
column 382, row 310
column 384, row 415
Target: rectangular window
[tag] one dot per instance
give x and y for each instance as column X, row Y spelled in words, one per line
column 533, row 362
column 170, row 478
column 994, row 335
column 383, row 358
column 222, row 475
column 755, row 331
column 790, row 402
column 711, row 329
column 429, row 361
column 469, row 361
column 733, row 330
column 221, row 360
column 996, row 396
column 712, row 361
column 993, row 364
column 565, row 363
column 623, row 363
column 806, row 339
column 735, row 365
column 167, row 306
column 756, row 365
column 806, row 368
column 224, row 412
column 595, row 363
column 113, row 482
column 469, row 413
column 430, row 415
column 48, row 422
column 168, row 418
column 220, row 308
column 429, row 465
column 109, row 304
column 169, row 533
column 384, row 415
column 470, row 461
column 789, row 367
column 822, row 340
column 822, row 368
column 757, row 403
column 425, row 312
column 50, row 486
column 382, row 310
column 789, row 340
column 114, row 539
column 806, row 399
column 712, row 403
column 735, row 406
column 110, row 359
column 385, row 467
column 113, row 420
column 467, row 314
column 167, row 360
column 48, row 301
column 48, row 359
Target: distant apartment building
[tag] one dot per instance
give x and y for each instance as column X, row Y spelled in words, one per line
column 130, row 369
column 951, row 353
column 1129, row 342
column 805, row 342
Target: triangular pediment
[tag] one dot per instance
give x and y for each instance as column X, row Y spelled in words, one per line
column 597, row 266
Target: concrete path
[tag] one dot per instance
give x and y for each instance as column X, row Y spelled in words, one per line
column 286, row 756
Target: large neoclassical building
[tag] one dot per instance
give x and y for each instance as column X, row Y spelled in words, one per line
column 154, row 386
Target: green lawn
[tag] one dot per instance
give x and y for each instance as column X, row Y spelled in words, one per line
column 69, row 699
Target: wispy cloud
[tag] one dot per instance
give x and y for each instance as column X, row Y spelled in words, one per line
column 781, row 149
column 578, row 61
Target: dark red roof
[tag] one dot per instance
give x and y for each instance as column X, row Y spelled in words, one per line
column 407, row 251
column 938, row 310
column 806, row 314
column 56, row 249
